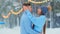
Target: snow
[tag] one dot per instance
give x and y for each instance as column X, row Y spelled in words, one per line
column 53, row 31
column 15, row 30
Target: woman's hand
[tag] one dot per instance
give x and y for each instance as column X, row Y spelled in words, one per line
column 25, row 8
column 49, row 8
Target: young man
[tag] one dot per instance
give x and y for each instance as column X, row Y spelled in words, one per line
column 25, row 23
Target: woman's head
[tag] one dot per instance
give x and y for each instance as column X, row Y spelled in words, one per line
column 39, row 11
column 42, row 10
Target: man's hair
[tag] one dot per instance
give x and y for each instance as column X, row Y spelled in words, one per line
column 26, row 4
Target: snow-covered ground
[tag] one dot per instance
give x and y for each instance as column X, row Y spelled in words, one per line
column 53, row 31
column 15, row 30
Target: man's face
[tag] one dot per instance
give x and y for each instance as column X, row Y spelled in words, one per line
column 25, row 8
column 30, row 8
column 39, row 11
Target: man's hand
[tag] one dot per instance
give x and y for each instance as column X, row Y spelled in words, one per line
column 25, row 8
column 49, row 8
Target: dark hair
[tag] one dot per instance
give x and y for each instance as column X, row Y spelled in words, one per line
column 44, row 10
column 42, row 13
column 26, row 4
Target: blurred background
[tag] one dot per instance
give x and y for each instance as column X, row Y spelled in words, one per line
column 12, row 23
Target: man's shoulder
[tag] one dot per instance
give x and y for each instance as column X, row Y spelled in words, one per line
column 23, row 16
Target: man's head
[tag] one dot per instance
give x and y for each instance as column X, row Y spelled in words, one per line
column 27, row 6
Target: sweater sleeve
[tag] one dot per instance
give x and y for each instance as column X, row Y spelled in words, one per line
column 35, row 20
column 28, row 28
column 31, row 17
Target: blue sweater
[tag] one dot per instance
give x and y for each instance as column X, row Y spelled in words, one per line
column 37, row 21
column 26, row 25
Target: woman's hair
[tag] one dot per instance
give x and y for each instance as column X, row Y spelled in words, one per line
column 44, row 10
column 42, row 13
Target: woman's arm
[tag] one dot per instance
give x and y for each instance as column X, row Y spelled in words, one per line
column 35, row 20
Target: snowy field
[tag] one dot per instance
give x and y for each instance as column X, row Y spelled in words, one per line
column 16, row 30
column 53, row 31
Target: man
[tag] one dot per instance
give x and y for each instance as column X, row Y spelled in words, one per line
column 26, row 24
